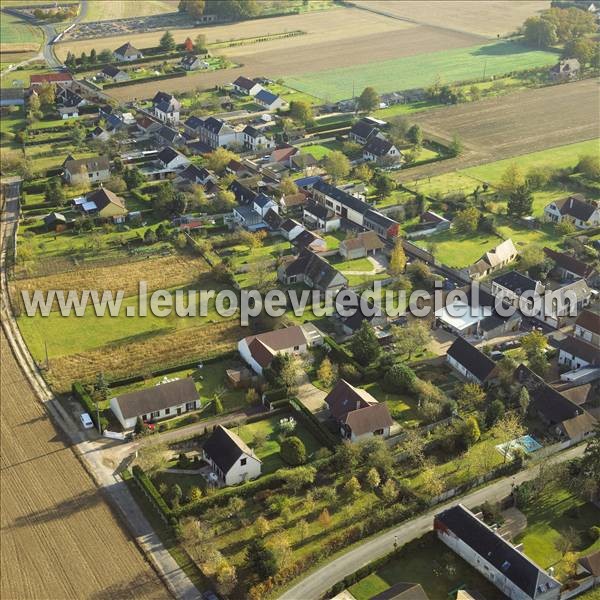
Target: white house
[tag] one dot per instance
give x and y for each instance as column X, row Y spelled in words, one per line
column 255, row 139
column 262, row 203
column 583, row 213
column 230, row 457
column 564, row 301
column 216, row 133
column 358, row 414
column 191, row 62
column 317, row 216
column 269, row 100
column 259, row 350
column 84, row 170
column 575, row 353
column 517, row 289
column 170, row 159
column 245, row 86
column 291, row 229
column 493, row 260
column 515, row 575
column 587, row 327
column 470, row 362
column 381, row 150
column 166, row 107
column 127, row 53
column 366, row 243
column 162, row 401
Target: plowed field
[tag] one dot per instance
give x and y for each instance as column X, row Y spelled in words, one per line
column 59, row 539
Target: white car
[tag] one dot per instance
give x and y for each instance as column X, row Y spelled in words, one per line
column 86, row 421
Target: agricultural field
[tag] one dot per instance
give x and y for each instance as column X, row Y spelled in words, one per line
column 487, row 128
column 421, row 70
column 490, row 18
column 329, row 42
column 100, row 10
column 16, row 35
column 60, row 539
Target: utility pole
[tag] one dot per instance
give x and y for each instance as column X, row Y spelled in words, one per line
column 47, row 361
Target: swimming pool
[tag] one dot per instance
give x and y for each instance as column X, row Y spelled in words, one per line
column 528, row 443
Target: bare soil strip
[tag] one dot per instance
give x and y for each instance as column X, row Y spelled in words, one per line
column 59, row 538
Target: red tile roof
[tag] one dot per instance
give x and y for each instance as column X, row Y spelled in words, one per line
column 49, row 78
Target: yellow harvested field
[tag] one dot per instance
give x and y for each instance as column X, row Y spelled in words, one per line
column 59, row 538
column 322, row 26
column 103, row 10
column 481, row 17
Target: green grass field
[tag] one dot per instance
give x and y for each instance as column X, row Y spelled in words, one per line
column 17, row 31
column 429, row 562
column 558, row 513
column 321, row 150
column 268, row 452
column 421, row 70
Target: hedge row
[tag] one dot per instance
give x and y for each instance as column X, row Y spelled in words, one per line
column 139, row 61
column 146, row 484
column 145, row 80
column 316, row 427
column 340, row 354
column 275, row 395
column 88, row 404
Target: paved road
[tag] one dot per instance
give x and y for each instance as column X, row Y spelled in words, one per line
column 317, row 583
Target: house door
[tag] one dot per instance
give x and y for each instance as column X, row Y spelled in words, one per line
column 344, row 212
column 179, row 410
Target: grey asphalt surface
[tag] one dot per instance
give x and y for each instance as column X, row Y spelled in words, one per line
column 316, row 584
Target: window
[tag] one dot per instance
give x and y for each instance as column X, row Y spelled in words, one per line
column 296, row 348
column 243, row 461
column 155, row 414
column 190, row 406
column 167, row 411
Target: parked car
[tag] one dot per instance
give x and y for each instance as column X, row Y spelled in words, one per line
column 86, row 421
column 496, row 355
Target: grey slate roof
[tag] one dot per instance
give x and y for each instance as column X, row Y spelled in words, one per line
column 225, row 447
column 473, row 359
column 158, row 397
column 524, row 573
column 516, row 282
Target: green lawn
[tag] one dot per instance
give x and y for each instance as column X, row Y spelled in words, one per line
column 14, row 30
column 404, row 109
column 552, row 158
column 268, row 452
column 402, row 407
column 272, row 248
column 558, row 514
column 432, row 564
column 395, row 198
column 20, row 77
column 462, row 64
column 289, row 94
column 321, row 150
column 334, row 238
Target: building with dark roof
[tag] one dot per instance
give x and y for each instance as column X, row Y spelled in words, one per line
column 318, row 216
column 515, row 575
column 577, row 353
column 248, row 87
column 518, row 289
column 381, row 150
column 259, row 350
column 402, row 591
column 569, row 267
column 127, row 53
column 358, row 414
column 86, row 170
column 312, row 270
column 587, row 327
column 362, row 131
column 166, row 107
column 216, row 133
column 154, row 403
column 269, row 100
column 230, row 457
column 170, row 159
column 114, row 73
column 577, row 209
column 470, row 362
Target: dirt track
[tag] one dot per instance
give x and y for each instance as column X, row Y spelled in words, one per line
column 514, row 124
column 59, row 539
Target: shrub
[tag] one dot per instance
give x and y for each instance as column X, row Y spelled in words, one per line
column 293, row 451
column 150, row 490
column 350, row 373
column 594, row 533
column 400, row 378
